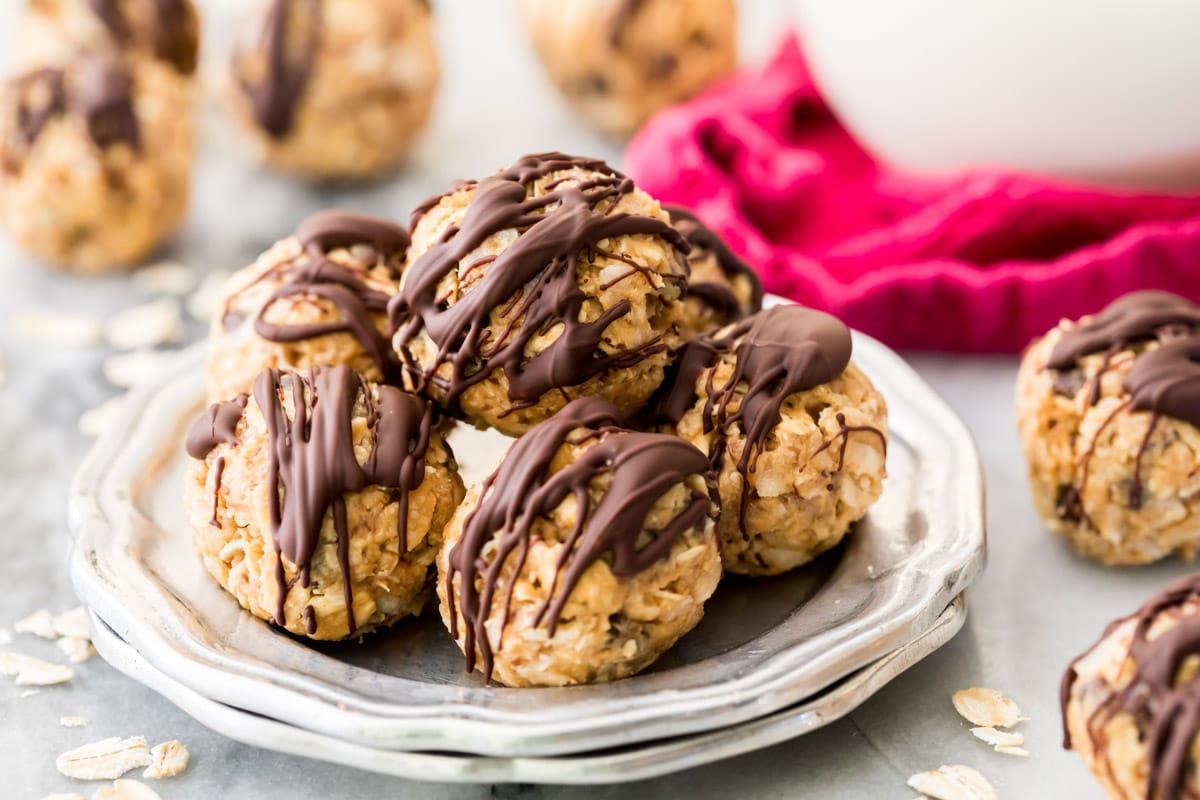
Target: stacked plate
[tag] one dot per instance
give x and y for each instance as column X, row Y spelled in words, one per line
column 772, row 660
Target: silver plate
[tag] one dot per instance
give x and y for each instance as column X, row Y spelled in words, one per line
column 635, row 763
column 763, row 646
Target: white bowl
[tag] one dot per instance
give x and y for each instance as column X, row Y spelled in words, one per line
column 1106, row 90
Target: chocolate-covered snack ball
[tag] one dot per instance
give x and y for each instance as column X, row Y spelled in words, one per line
column 95, row 160
column 722, row 288
column 796, row 432
column 1108, row 409
column 553, row 279
column 1131, row 703
column 51, row 31
column 318, row 500
column 584, row 557
column 619, row 61
column 318, row 297
column 336, row 88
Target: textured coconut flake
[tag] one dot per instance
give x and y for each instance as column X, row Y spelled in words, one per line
column 39, row 623
column 167, row 760
column 30, row 671
column 953, row 782
column 987, row 708
column 104, row 760
column 76, row 648
column 55, row 327
column 95, row 421
column 73, row 623
column 207, row 298
column 165, row 277
column 148, row 325
column 123, row 370
column 72, row 722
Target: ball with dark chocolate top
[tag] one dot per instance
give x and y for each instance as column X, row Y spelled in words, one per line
column 1108, row 409
column 317, row 297
column 335, row 88
column 52, row 32
column 95, row 160
column 554, row 279
column 318, row 500
column 1131, row 702
column 619, row 61
column 722, row 288
column 586, row 555
column 795, row 431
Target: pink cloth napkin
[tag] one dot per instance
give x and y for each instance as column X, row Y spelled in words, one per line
column 982, row 263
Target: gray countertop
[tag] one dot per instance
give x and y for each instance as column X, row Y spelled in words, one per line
column 1034, row 608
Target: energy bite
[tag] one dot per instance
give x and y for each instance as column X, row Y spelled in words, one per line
column 318, row 297
column 619, row 61
column 95, row 160
column 1108, row 410
column 318, row 500
column 721, row 287
column 52, row 31
column 584, row 557
column 795, row 431
column 336, row 88
column 554, row 279
column 1131, row 703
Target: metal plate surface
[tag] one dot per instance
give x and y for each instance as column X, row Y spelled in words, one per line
column 763, row 646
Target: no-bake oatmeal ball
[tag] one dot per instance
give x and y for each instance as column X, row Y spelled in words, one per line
column 619, row 61
column 318, row 500
column 1131, row 703
column 336, row 88
column 95, row 160
column 318, row 297
column 1108, row 410
column 51, row 32
column 722, row 288
column 796, row 432
column 584, row 557
column 554, row 279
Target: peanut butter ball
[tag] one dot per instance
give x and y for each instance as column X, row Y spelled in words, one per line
column 1108, row 410
column 318, row 500
column 584, row 557
column 554, row 279
column 336, row 88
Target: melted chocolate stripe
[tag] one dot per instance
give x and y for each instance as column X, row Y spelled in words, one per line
column 537, row 270
column 312, row 464
column 642, row 467
column 100, row 89
column 718, row 296
column 313, row 274
column 1167, row 712
column 1164, row 380
column 276, row 99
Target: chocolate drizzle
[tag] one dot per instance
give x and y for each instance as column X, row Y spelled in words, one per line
column 288, row 63
column 718, row 296
column 312, row 274
column 1164, row 380
column 99, row 88
column 174, row 37
column 312, row 464
column 532, row 282
column 218, row 425
column 642, row 467
column 778, row 352
column 1166, row 710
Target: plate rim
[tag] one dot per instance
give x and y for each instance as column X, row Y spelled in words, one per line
column 475, row 728
column 648, row 761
